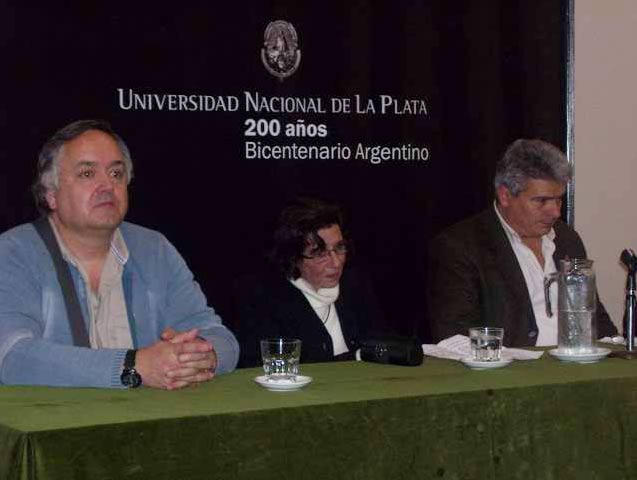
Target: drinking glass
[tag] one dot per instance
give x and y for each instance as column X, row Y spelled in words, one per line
column 281, row 358
column 486, row 343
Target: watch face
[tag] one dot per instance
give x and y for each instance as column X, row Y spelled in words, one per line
column 130, row 378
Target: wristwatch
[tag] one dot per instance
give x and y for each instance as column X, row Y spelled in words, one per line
column 130, row 377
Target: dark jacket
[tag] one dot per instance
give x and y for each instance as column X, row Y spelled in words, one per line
column 268, row 305
column 475, row 280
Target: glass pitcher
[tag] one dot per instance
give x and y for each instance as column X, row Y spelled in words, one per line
column 576, row 305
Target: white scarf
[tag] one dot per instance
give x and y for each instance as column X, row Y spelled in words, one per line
column 323, row 302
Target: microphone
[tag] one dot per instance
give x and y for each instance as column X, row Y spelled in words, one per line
column 629, row 259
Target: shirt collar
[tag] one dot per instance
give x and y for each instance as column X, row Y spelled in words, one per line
column 511, row 234
column 118, row 246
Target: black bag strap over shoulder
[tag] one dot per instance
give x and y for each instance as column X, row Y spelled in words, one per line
column 73, row 309
column 395, row 350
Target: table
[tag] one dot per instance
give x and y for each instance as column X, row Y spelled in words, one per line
column 533, row 419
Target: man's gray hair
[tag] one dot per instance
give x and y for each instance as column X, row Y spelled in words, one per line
column 49, row 159
column 526, row 160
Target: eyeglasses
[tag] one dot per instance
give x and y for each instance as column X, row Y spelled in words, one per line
column 320, row 255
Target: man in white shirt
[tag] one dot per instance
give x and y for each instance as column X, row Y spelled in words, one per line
column 489, row 270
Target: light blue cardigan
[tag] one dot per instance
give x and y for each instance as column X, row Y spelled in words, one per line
column 36, row 347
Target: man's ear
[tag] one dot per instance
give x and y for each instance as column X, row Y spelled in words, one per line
column 50, row 199
column 504, row 196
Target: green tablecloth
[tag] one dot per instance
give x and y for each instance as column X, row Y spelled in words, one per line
column 534, row 419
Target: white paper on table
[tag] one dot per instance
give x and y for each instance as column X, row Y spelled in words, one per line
column 616, row 340
column 458, row 347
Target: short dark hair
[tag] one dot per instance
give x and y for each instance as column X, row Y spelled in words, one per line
column 47, row 177
column 298, row 224
column 526, row 160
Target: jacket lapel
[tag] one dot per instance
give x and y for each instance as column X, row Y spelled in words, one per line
column 294, row 307
column 561, row 248
column 504, row 259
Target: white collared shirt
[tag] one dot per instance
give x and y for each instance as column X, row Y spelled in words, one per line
column 534, row 276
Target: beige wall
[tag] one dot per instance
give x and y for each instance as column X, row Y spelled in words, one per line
column 605, row 132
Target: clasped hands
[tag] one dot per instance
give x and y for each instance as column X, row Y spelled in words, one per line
column 178, row 360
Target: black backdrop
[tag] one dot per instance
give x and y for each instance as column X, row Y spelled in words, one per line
column 487, row 72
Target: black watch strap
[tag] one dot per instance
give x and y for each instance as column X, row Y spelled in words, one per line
column 130, row 376
column 129, row 359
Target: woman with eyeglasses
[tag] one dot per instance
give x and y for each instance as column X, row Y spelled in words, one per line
column 309, row 293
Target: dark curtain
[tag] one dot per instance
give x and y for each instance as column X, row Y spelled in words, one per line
column 488, row 71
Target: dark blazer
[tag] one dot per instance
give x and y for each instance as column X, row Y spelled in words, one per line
column 268, row 305
column 475, row 280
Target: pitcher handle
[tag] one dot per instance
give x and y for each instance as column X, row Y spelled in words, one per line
column 550, row 278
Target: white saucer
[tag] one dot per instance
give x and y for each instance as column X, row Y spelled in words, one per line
column 477, row 365
column 592, row 357
column 283, row 385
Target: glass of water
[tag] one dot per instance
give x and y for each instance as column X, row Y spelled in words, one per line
column 281, row 358
column 486, row 343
